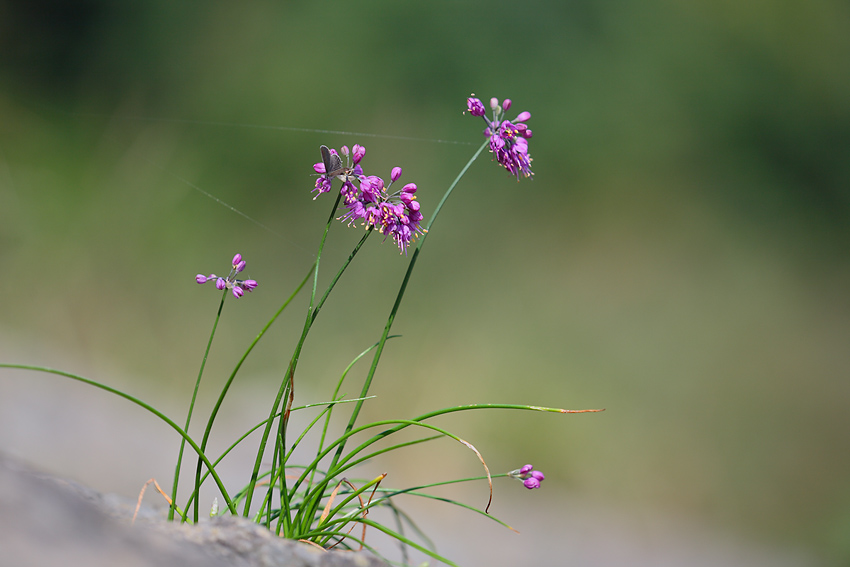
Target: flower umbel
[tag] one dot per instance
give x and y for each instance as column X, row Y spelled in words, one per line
column 530, row 478
column 508, row 138
column 367, row 197
column 238, row 287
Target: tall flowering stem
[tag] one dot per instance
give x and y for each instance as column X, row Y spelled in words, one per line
column 227, row 385
column 286, row 383
column 279, row 458
column 369, row 201
column 172, row 508
column 238, row 288
column 353, row 196
column 508, row 140
column 380, row 348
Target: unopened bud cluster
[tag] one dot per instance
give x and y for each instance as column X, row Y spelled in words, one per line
column 238, row 287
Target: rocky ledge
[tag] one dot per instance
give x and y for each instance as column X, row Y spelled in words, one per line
column 48, row 521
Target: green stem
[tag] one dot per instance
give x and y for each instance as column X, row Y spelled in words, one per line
column 249, row 493
column 289, row 383
column 334, row 396
column 286, row 386
column 224, row 390
column 189, row 415
column 380, row 349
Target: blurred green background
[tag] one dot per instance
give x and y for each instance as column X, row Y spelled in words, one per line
column 680, row 257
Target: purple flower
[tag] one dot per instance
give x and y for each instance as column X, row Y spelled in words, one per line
column 475, row 107
column 508, row 138
column 323, row 184
column 396, row 215
column 530, row 478
column 237, row 287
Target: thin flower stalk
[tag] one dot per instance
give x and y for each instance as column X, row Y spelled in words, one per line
column 232, row 376
column 238, row 288
column 286, row 383
column 377, row 356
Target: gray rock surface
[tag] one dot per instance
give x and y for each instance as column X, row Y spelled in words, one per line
column 47, row 521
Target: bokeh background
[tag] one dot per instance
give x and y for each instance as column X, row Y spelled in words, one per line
column 679, row 258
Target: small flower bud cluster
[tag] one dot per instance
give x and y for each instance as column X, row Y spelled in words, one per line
column 530, row 478
column 508, row 138
column 367, row 199
column 237, row 287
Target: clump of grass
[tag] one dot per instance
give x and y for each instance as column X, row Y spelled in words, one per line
column 318, row 501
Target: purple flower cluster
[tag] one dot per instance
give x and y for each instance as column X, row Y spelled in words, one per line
column 530, row 478
column 508, row 138
column 238, row 287
column 368, row 200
